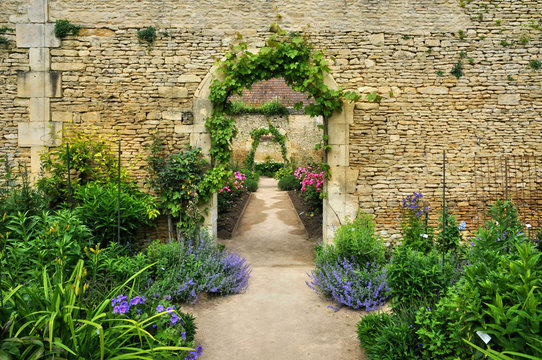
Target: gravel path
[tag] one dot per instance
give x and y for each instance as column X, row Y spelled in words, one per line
column 278, row 317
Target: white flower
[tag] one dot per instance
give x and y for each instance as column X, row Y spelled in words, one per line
column 425, row 236
column 528, row 226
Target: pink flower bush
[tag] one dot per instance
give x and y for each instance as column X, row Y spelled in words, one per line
column 308, row 178
column 237, row 182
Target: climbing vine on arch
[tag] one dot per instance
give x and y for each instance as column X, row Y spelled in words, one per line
column 256, row 135
column 286, row 55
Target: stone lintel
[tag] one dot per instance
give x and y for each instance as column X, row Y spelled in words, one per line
column 40, row 109
column 40, row 59
column 36, row 36
column 39, row 134
column 39, row 84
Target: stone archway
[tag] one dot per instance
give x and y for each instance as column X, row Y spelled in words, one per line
column 340, row 201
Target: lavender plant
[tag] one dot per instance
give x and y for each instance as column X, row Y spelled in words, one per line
column 348, row 284
column 186, row 269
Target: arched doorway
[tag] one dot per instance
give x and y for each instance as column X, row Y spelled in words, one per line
column 340, row 201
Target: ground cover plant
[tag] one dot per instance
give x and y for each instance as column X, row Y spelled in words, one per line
column 352, row 278
column 484, row 299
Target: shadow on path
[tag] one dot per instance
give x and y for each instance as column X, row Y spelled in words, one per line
column 278, row 317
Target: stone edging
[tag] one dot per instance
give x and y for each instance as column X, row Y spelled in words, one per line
column 241, row 216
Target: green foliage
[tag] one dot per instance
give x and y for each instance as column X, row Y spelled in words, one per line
column 416, row 233
column 289, row 56
column 91, row 160
column 289, row 182
column 284, row 171
column 63, row 28
column 51, row 322
column 453, row 236
column 457, row 70
column 97, row 207
column 415, row 276
column 374, row 97
column 251, row 185
column 17, row 195
column 223, row 131
column 256, row 135
column 461, row 34
column 535, row 64
column 270, row 108
column 524, row 40
column 439, row 330
column 30, row 243
column 3, row 40
column 268, row 167
column 439, row 73
column 505, row 43
column 179, row 181
column 357, row 239
column 390, row 336
column 147, row 35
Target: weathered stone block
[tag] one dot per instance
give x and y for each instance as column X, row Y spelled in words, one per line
column 40, row 60
column 171, row 92
column 338, row 134
column 376, row 39
column 509, row 99
column 434, row 90
column 68, row 66
column 62, row 116
column 38, row 11
column 40, row 109
column 39, row 84
column 172, row 115
column 39, row 134
column 189, row 79
column 338, row 155
column 202, row 110
column 91, row 117
column 36, row 35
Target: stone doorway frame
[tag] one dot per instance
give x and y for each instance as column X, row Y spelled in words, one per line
column 341, row 200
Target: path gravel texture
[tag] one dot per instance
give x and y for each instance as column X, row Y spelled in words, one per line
column 278, row 317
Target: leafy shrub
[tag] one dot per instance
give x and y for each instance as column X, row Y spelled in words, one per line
column 284, row 171
column 289, row 182
column 17, row 195
column 231, row 192
column 34, row 242
column 357, row 239
column 97, row 208
column 270, row 108
column 186, row 269
column 91, row 160
column 453, row 237
column 251, row 185
column 346, row 282
column 440, row 332
column 63, row 28
column 50, row 321
column 268, row 168
column 390, row 336
column 178, row 179
column 415, row 277
column 416, row 234
column 503, row 298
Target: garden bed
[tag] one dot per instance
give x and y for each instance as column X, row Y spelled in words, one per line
column 311, row 221
column 228, row 220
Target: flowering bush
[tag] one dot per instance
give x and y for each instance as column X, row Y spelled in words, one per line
column 186, row 269
column 416, row 233
column 349, row 284
column 164, row 322
column 312, row 181
column 234, row 187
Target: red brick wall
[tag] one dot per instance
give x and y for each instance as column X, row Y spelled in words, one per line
column 268, row 90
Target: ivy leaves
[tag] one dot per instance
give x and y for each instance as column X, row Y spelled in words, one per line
column 256, row 134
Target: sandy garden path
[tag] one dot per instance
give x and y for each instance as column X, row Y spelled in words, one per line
column 278, row 317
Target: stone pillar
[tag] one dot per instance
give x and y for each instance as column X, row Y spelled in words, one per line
column 341, row 201
column 39, row 84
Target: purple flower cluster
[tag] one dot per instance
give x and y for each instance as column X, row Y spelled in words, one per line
column 202, row 267
column 414, row 204
column 193, row 355
column 358, row 288
column 121, row 304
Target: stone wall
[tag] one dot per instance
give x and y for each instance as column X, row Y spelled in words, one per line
column 402, row 50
